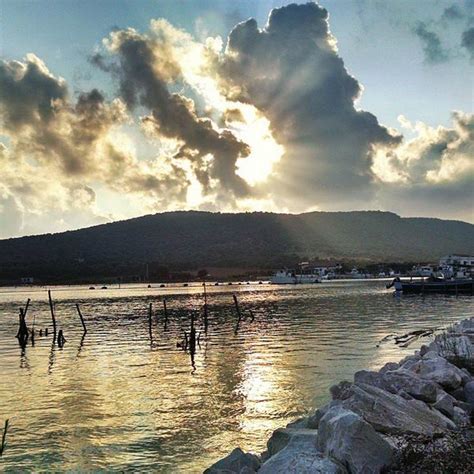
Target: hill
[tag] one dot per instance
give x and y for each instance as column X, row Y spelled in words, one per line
column 191, row 240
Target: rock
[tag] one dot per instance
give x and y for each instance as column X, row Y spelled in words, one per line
column 430, row 355
column 467, row 376
column 282, row 436
column 444, row 403
column 458, row 394
column 406, row 380
column 461, row 418
column 340, row 390
column 236, row 462
column 389, row 366
column 391, row 414
column 404, row 395
column 300, row 456
column 409, row 361
column 469, row 393
column 370, row 378
column 399, row 380
column 299, row 423
column 424, row 349
column 313, row 420
column 439, row 370
column 349, row 439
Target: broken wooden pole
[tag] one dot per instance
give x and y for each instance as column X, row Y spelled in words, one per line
column 4, row 438
column 26, row 307
column 237, row 308
column 52, row 314
column 150, row 310
column 206, row 315
column 165, row 310
column 82, row 319
column 61, row 339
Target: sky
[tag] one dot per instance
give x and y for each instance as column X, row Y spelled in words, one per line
column 113, row 109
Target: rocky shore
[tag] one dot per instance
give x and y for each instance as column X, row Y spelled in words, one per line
column 412, row 416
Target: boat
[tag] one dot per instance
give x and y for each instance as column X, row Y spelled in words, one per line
column 291, row 277
column 434, row 285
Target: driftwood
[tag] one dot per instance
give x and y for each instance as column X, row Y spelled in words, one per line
column 406, row 339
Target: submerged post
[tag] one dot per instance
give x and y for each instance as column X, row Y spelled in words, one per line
column 237, row 308
column 206, row 315
column 165, row 311
column 52, row 314
column 82, row 319
column 4, row 438
column 26, row 307
column 150, row 310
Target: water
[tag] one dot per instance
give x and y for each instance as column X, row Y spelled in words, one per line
column 118, row 401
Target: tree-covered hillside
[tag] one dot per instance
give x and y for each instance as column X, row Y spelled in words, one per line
column 190, row 240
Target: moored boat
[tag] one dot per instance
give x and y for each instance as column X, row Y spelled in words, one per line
column 434, row 285
column 290, row 277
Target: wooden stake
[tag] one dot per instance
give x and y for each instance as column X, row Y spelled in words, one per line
column 149, row 321
column 4, row 438
column 237, row 306
column 82, row 319
column 165, row 310
column 52, row 314
column 27, row 306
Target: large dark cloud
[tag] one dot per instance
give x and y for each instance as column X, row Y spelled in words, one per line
column 290, row 70
column 467, row 41
column 146, row 68
column 432, row 47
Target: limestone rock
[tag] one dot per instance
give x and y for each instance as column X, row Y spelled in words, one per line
column 444, row 403
column 300, row 456
column 236, row 462
column 349, row 439
column 282, row 436
column 469, row 393
column 399, row 380
column 461, row 418
column 389, row 366
column 391, row 414
column 439, row 370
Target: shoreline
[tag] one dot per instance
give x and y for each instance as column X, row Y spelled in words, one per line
column 419, row 410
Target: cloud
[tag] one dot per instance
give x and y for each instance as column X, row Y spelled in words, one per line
column 433, row 172
column 432, row 46
column 147, row 66
column 453, row 12
column 291, row 72
column 467, row 41
column 55, row 150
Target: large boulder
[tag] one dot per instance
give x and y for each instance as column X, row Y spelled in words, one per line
column 315, row 418
column 469, row 394
column 349, row 439
column 391, row 414
column 445, row 404
column 237, row 462
column 399, row 380
column 282, row 436
column 439, row 370
column 300, row 456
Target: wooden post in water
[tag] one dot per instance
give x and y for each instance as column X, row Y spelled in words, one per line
column 165, row 311
column 82, row 319
column 26, row 307
column 52, row 314
column 150, row 310
column 4, row 438
column 206, row 315
column 236, row 303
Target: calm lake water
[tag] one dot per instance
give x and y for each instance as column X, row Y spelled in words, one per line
column 118, row 401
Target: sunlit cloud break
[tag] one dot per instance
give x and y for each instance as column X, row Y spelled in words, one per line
column 265, row 120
